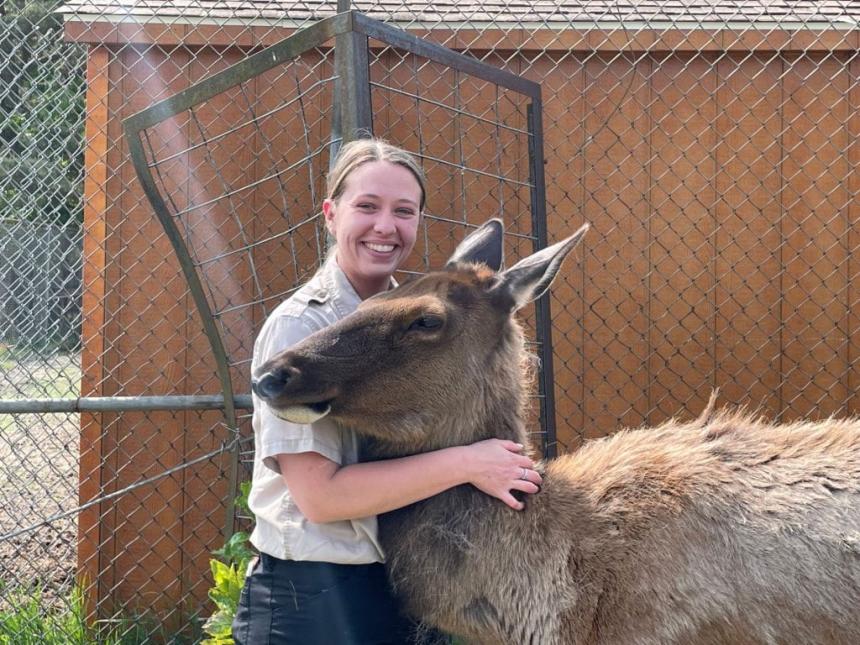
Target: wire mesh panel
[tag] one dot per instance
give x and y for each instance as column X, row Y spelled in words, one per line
column 472, row 137
column 712, row 146
column 237, row 173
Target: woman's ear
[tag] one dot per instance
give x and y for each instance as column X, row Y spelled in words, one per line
column 328, row 208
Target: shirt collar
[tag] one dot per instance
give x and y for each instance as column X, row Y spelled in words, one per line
column 338, row 285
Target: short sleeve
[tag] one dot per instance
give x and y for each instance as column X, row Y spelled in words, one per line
column 275, row 435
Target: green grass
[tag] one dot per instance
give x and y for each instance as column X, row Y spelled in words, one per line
column 26, row 374
column 28, row 619
column 64, row 384
column 7, row 360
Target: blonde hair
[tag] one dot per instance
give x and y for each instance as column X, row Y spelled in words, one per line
column 362, row 151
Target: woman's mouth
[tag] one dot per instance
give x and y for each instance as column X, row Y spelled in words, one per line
column 380, row 248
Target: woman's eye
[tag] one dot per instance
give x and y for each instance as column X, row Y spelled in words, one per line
column 405, row 212
column 426, row 323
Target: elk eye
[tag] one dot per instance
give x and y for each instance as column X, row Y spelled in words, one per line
column 426, row 323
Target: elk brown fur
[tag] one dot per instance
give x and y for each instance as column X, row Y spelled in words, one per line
column 723, row 530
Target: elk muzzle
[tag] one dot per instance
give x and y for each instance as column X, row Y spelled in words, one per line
column 270, row 385
column 280, row 387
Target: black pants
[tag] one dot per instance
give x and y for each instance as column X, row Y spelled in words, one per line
column 287, row 601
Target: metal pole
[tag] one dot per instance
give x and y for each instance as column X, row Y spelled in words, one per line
column 352, row 117
column 352, row 67
column 123, row 404
column 543, row 316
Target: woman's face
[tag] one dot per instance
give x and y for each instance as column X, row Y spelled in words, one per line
column 375, row 223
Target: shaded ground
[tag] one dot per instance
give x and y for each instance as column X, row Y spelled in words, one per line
column 38, row 476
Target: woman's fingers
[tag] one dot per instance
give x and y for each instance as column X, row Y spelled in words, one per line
column 526, row 472
column 522, row 485
column 526, row 480
column 512, row 501
column 513, row 446
column 502, row 468
column 523, row 460
column 525, row 486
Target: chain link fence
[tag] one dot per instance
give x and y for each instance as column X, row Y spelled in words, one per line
column 712, row 146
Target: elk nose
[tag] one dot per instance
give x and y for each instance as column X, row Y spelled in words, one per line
column 270, row 384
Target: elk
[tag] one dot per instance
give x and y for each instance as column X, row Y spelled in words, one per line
column 722, row 530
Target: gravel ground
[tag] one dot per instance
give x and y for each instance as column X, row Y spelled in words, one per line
column 38, row 477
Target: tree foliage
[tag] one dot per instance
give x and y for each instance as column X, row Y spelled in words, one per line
column 42, row 100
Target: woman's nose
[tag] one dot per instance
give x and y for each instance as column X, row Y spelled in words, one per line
column 385, row 222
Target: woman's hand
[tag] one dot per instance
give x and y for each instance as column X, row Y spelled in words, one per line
column 496, row 466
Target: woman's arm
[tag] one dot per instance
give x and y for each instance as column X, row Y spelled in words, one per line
column 326, row 492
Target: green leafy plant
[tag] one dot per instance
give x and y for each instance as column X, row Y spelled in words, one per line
column 228, row 575
column 225, row 594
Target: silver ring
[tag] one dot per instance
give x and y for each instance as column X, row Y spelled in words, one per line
column 525, row 475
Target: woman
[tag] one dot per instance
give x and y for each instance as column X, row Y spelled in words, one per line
column 319, row 578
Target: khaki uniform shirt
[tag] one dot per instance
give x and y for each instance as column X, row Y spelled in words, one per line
column 281, row 530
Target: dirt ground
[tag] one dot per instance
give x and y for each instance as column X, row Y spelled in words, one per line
column 38, row 477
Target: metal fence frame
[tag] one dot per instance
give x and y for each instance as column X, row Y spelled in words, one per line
column 351, row 31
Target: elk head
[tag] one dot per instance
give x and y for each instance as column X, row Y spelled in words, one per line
column 425, row 365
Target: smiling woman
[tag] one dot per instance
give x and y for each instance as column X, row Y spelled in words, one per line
column 319, row 578
column 375, row 223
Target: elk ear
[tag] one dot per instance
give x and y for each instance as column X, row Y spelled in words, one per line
column 529, row 278
column 484, row 244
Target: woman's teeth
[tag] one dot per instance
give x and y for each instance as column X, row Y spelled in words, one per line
column 381, row 248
